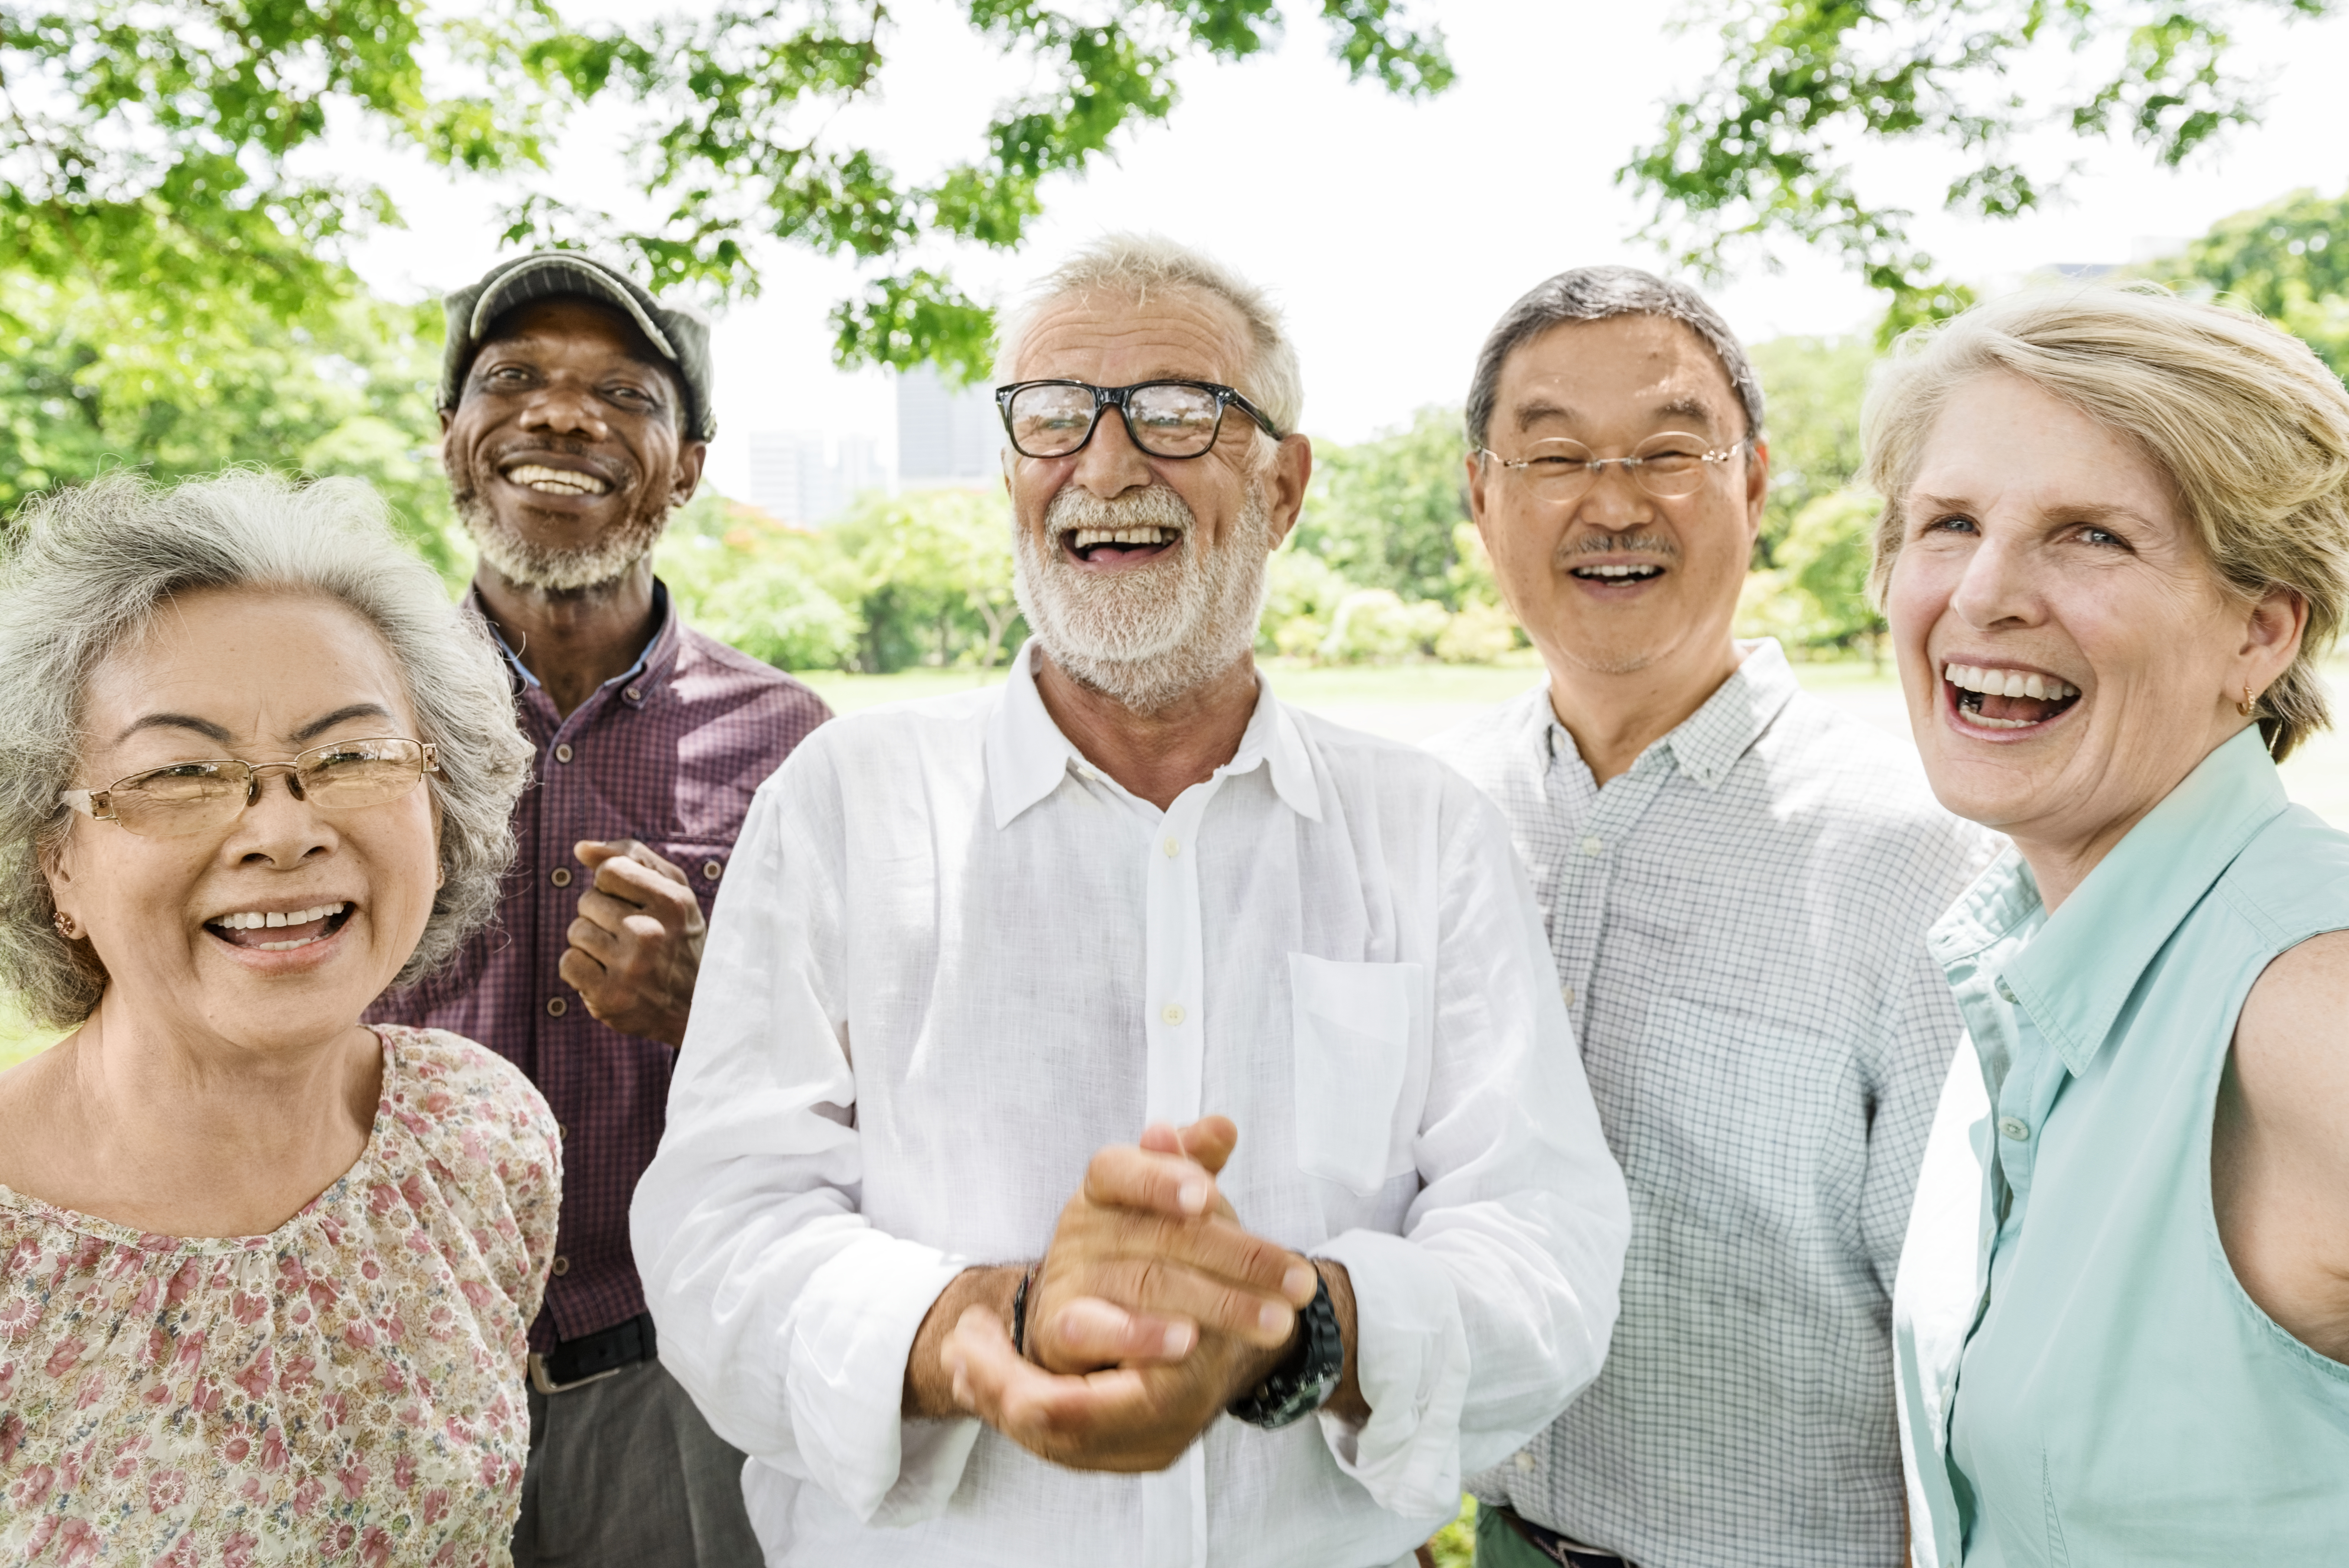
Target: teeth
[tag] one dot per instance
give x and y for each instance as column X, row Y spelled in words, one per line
column 2008, row 683
column 1612, row 571
column 256, row 919
column 555, row 481
column 1086, row 538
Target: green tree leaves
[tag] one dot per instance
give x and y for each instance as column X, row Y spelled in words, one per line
column 1764, row 147
column 153, row 150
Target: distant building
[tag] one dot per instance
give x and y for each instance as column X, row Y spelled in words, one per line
column 945, row 436
column 796, row 476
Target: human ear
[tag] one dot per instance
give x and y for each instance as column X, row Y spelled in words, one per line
column 690, row 456
column 2272, row 634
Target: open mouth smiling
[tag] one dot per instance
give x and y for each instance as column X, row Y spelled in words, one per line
column 548, row 480
column 1613, row 573
column 1119, row 546
column 280, row 931
column 2009, row 700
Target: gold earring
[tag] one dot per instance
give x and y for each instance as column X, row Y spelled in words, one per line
column 2249, row 704
column 65, row 927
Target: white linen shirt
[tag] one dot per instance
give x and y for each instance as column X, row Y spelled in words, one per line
column 951, row 961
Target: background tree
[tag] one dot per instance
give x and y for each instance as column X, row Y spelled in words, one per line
column 96, row 382
column 1381, row 512
column 2282, row 260
column 162, row 153
column 1762, row 149
column 1811, row 391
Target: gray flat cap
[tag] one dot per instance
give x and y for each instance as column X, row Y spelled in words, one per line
column 680, row 332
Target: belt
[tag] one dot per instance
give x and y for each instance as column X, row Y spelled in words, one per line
column 604, row 1354
column 1557, row 1548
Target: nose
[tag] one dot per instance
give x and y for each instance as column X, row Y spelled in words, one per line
column 281, row 828
column 559, row 409
column 1995, row 588
column 1110, row 464
column 1614, row 502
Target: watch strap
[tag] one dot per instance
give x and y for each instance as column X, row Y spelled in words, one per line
column 1304, row 1381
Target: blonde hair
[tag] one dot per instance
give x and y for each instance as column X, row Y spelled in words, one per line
column 2250, row 428
column 1132, row 266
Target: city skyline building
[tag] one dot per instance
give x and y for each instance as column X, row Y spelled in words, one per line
column 945, row 436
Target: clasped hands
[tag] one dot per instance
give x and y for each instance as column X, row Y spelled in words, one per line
column 1152, row 1311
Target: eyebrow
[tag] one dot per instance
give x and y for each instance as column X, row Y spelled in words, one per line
column 213, row 731
column 1530, row 415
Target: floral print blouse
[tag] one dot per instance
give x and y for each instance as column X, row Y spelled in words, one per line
column 346, row 1389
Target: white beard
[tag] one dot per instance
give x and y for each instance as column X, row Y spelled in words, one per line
column 1148, row 636
column 556, row 570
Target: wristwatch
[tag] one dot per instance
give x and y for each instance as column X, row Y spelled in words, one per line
column 1304, row 1381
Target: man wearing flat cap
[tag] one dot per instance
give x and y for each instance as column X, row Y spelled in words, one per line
column 575, row 414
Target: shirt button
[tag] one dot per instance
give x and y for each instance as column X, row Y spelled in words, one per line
column 560, row 1131
column 563, row 752
column 562, row 1265
column 1593, row 844
column 711, row 870
column 1173, row 848
column 2005, row 992
column 633, row 693
column 2014, row 1127
column 1566, row 994
column 1173, row 1013
column 557, row 1007
column 560, row 876
column 1523, row 1460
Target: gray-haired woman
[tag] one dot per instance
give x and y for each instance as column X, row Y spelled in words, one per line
column 267, row 1272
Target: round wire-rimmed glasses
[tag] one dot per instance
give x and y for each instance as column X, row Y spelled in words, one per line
column 1667, row 466
column 190, row 797
column 1164, row 418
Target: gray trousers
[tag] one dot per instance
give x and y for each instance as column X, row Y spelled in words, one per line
column 624, row 1473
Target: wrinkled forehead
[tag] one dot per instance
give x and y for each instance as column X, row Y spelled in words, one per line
column 573, row 327
column 1632, row 371
column 1114, row 337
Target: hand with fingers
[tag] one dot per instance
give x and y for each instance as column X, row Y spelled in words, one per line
column 636, row 946
column 1152, row 1311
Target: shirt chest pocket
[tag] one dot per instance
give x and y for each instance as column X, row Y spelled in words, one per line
column 1360, row 1038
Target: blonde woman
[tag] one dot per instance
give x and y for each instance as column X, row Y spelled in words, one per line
column 2115, row 546
column 267, row 1272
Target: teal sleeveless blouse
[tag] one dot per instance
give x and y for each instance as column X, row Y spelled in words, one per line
column 2114, row 1396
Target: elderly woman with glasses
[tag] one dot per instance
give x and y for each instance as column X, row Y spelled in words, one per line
column 2115, row 546
column 267, row 1272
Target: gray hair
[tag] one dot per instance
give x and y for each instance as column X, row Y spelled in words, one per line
column 1601, row 293
column 1132, row 266
column 84, row 571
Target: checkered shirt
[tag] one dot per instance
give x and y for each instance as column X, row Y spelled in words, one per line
column 1738, row 923
column 669, row 753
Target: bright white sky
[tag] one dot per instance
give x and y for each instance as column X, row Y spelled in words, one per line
column 1394, row 233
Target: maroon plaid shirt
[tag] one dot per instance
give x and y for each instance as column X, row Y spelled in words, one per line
column 669, row 753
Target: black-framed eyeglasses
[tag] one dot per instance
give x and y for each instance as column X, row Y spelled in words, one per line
column 1666, row 466
column 181, row 798
column 1164, row 418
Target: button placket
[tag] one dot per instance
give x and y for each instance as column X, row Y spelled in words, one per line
column 1173, row 965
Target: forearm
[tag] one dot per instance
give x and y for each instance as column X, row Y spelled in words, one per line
column 930, row 1392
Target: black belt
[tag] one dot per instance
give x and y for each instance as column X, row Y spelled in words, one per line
column 602, row 1354
column 1556, row 1547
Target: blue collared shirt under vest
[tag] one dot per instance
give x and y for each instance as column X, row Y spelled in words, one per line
column 2083, row 1381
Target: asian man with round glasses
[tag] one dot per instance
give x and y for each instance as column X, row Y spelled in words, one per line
column 1736, row 881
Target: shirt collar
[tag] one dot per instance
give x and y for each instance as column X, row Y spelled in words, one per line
column 1028, row 756
column 1709, row 742
column 652, row 665
column 2080, row 970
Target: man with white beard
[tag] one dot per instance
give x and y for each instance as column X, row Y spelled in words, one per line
column 1078, row 1063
